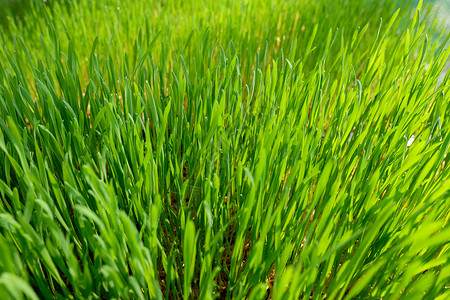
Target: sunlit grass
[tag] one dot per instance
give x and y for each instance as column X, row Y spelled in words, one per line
column 224, row 149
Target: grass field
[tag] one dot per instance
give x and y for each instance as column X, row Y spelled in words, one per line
column 254, row 149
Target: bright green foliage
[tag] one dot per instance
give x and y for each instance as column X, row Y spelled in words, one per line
column 224, row 149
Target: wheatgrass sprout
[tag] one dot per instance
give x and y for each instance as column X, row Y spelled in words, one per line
column 224, row 150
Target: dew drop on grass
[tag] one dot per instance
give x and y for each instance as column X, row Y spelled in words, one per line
column 411, row 140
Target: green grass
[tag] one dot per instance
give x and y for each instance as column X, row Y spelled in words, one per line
column 224, row 149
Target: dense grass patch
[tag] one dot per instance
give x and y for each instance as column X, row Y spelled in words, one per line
column 224, row 149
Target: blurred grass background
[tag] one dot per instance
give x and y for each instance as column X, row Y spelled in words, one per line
column 19, row 7
column 442, row 11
